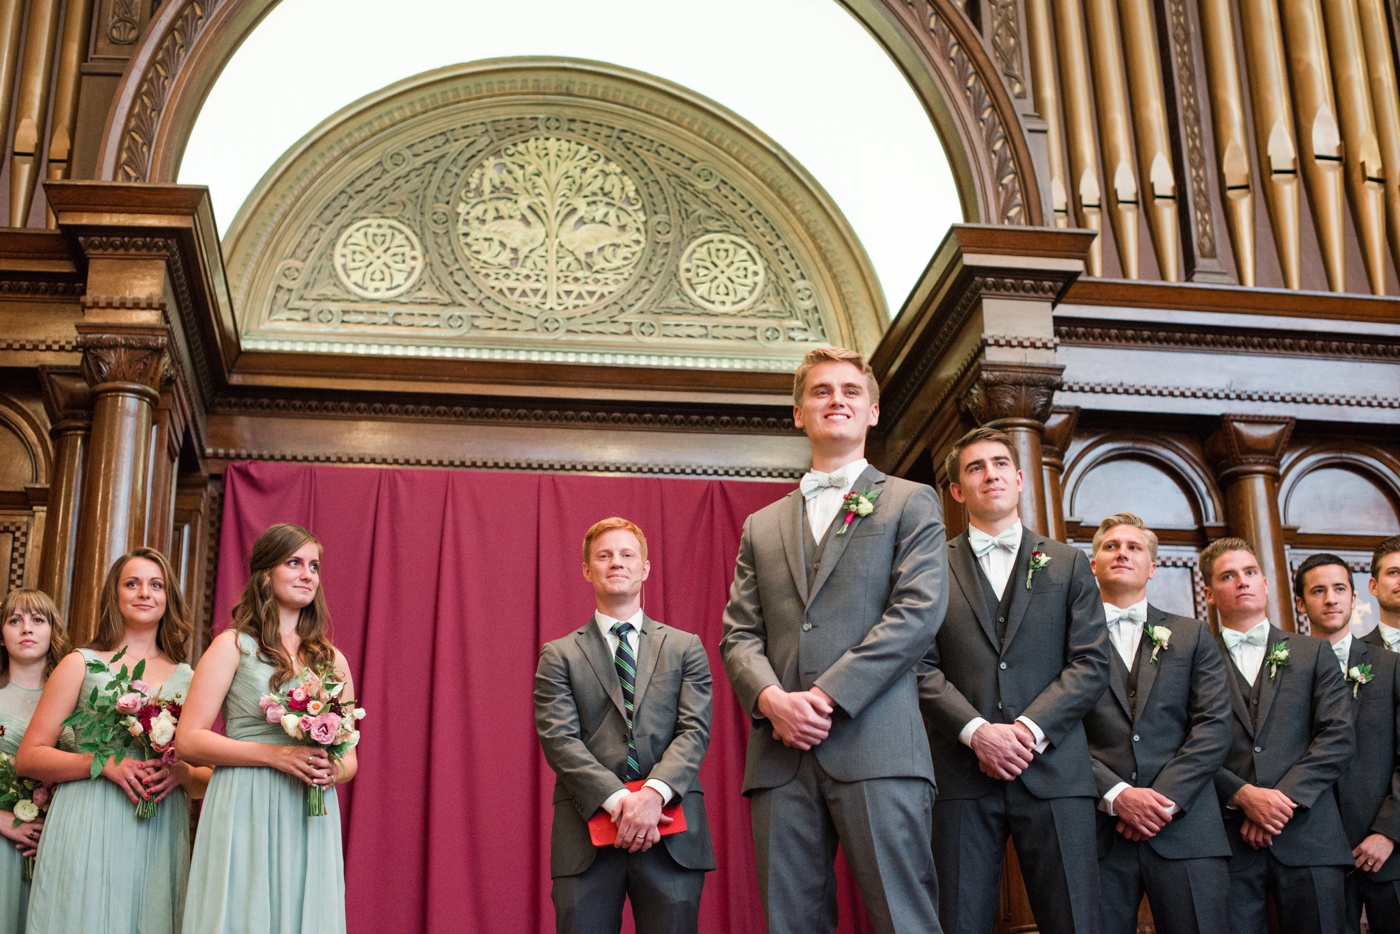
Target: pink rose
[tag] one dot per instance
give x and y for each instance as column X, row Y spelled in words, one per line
column 266, row 701
column 129, row 703
column 305, row 723
column 40, row 795
column 142, row 687
column 275, row 712
column 167, row 758
column 323, row 728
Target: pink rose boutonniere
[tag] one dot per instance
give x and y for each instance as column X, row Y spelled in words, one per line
column 1039, row 560
column 857, row 504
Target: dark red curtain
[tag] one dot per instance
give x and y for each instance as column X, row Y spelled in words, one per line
column 442, row 586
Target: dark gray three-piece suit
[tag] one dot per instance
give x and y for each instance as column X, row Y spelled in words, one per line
column 1292, row 731
column 851, row 614
column 583, row 730
column 1043, row 652
column 1165, row 725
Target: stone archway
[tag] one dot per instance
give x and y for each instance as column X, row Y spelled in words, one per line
column 932, row 41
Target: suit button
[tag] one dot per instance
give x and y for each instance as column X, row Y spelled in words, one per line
column 1003, row 666
column 998, row 705
column 1136, row 738
column 1133, row 776
column 806, row 627
column 1132, row 693
column 1001, row 619
column 1258, row 748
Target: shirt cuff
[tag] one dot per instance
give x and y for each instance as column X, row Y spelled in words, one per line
column 973, row 725
column 1106, row 803
column 611, row 801
column 661, row 788
column 1041, row 743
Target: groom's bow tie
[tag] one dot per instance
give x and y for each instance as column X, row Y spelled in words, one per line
column 982, row 543
column 814, row 481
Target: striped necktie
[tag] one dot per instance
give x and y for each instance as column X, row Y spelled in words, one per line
column 626, row 662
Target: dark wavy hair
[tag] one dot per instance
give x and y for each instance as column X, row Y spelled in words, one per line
column 173, row 631
column 34, row 602
column 256, row 612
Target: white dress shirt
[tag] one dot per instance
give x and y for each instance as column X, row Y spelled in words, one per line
column 634, row 641
column 997, row 564
column 823, row 505
column 1125, row 627
column 1390, row 636
column 1249, row 655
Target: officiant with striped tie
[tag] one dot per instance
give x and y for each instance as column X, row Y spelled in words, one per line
column 1022, row 656
column 622, row 708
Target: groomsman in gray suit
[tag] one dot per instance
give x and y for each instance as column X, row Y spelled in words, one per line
column 1369, row 790
column 1157, row 739
column 1385, row 587
column 622, row 699
column 1022, row 656
column 838, row 590
column 1291, row 736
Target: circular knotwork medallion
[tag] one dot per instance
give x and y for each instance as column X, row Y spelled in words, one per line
column 722, row 272
column 378, row 258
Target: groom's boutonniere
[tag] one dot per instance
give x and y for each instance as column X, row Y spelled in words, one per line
column 1039, row 559
column 1161, row 638
column 857, row 504
column 1357, row 676
column 1278, row 658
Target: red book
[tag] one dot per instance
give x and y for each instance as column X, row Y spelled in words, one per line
column 603, row 832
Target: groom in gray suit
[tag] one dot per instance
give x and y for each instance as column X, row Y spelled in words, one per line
column 838, row 590
column 621, row 700
column 1021, row 658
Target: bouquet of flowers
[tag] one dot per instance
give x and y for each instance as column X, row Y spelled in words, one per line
column 314, row 714
column 126, row 718
column 26, row 798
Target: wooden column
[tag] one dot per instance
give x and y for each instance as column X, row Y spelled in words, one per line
column 125, row 366
column 1245, row 451
column 68, row 401
column 1059, row 432
column 1016, row 398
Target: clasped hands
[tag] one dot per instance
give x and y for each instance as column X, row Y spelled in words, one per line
column 1003, row 749
column 801, row 719
column 637, row 817
column 1142, row 812
column 1266, row 811
column 24, row 836
column 144, row 779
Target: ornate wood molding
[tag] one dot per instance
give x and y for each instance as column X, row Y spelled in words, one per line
column 19, row 550
column 1059, row 432
column 1248, row 444
column 1293, row 344
column 67, row 398
column 485, row 463
column 1233, row 395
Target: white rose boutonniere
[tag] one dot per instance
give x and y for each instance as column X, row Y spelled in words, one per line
column 1161, row 638
column 1278, row 658
column 1357, row 676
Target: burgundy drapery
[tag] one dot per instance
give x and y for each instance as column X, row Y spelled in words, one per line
column 442, row 586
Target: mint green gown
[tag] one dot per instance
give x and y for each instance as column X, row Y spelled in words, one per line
column 16, row 707
column 100, row 867
column 260, row 864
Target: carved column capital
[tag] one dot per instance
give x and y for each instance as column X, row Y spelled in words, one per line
column 1006, row 394
column 1059, row 432
column 67, row 398
column 133, row 357
column 1248, row 444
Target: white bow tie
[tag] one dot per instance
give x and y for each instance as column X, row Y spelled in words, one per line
column 982, row 543
column 1135, row 615
column 1233, row 640
column 814, row 481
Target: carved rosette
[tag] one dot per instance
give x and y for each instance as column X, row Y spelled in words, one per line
column 1013, row 394
column 1248, row 444
column 125, row 359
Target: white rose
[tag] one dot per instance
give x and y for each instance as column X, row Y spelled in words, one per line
column 25, row 810
column 163, row 728
column 134, row 727
column 359, row 713
column 352, row 740
column 291, row 723
column 1162, row 635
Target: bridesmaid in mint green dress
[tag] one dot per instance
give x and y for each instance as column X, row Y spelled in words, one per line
column 33, row 643
column 260, row 863
column 100, row 867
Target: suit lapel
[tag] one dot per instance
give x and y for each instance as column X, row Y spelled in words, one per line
column 869, row 479
column 965, row 572
column 1020, row 594
column 790, row 526
column 1269, row 688
column 650, row 647
column 1146, row 670
column 1118, row 678
column 595, row 649
column 1360, row 655
column 1238, row 701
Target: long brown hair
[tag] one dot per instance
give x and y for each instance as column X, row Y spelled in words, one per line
column 34, row 602
column 173, row 631
column 256, row 611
